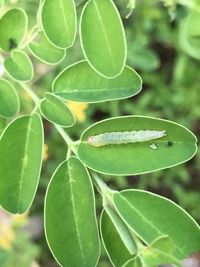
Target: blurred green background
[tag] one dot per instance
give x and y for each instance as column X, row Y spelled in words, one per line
column 171, row 90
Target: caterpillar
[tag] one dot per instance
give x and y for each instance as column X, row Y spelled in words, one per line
column 125, row 137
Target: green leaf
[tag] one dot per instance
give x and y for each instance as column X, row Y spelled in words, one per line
column 46, row 51
column 123, row 231
column 189, row 36
column 13, row 28
column 70, row 221
column 151, row 216
column 20, row 163
column 112, row 242
column 160, row 252
column 143, row 59
column 59, row 22
column 135, row 262
column 178, row 146
column 19, row 66
column 9, row 99
column 55, row 110
column 103, row 38
column 1, row 3
column 79, row 82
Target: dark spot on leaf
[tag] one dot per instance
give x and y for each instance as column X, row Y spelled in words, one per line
column 169, row 143
column 12, row 43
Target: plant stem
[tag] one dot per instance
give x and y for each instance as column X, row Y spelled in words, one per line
column 32, row 34
column 115, row 108
column 101, row 187
column 65, row 136
column 34, row 97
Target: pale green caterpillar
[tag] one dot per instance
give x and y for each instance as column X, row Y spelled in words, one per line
column 125, row 137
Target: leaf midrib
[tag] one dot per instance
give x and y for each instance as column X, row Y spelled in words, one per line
column 20, row 66
column 56, row 51
column 64, row 18
column 148, row 222
column 71, row 181
column 94, row 90
column 105, row 35
column 24, row 162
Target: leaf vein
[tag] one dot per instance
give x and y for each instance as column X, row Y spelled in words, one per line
column 105, row 35
column 146, row 220
column 24, row 162
column 71, row 181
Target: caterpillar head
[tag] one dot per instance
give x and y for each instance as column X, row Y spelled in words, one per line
column 94, row 141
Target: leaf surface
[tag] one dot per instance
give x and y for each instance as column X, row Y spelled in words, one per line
column 55, row 110
column 70, row 220
column 79, row 82
column 19, row 66
column 46, row 51
column 13, row 27
column 179, row 145
column 59, row 21
column 20, row 162
column 151, row 216
column 9, row 99
column 103, row 38
column 112, row 241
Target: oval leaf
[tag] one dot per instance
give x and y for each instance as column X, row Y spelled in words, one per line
column 160, row 252
column 55, row 110
column 20, row 163
column 112, row 242
column 79, row 82
column 46, row 51
column 178, row 146
column 125, row 234
column 103, row 38
column 59, row 21
column 135, row 262
column 70, row 221
column 19, row 66
column 13, row 27
column 152, row 216
column 190, row 34
column 9, row 99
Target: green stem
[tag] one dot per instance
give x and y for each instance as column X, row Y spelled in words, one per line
column 106, row 194
column 33, row 96
column 115, row 108
column 72, row 145
column 69, row 151
column 65, row 136
column 33, row 33
column 102, row 188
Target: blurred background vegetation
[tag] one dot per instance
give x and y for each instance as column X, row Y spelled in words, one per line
column 171, row 89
